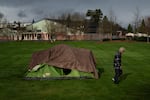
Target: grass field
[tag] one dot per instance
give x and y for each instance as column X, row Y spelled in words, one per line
column 135, row 83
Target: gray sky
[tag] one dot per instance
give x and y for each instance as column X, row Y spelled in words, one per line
column 27, row 10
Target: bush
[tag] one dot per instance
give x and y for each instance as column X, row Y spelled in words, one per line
column 119, row 39
column 144, row 39
column 106, row 39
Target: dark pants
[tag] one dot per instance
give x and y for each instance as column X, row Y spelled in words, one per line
column 118, row 72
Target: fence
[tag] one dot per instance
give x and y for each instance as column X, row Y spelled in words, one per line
column 45, row 36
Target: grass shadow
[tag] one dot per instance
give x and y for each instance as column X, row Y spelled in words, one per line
column 100, row 71
column 124, row 76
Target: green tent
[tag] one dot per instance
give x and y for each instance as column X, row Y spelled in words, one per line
column 62, row 62
column 44, row 71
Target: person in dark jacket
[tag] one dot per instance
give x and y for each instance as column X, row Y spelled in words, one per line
column 117, row 65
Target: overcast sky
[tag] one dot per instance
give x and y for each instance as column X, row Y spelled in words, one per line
column 27, row 10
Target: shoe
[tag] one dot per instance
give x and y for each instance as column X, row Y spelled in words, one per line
column 113, row 79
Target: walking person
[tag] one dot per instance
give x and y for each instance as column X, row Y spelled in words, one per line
column 117, row 65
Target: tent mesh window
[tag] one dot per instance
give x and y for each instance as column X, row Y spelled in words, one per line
column 66, row 71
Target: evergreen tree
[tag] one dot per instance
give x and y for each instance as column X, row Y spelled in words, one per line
column 95, row 19
column 33, row 21
column 142, row 28
column 96, row 15
column 130, row 29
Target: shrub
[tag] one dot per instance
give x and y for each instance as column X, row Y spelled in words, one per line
column 144, row 39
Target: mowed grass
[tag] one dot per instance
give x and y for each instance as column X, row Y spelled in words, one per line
column 135, row 83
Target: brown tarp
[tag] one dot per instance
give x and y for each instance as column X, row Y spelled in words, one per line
column 63, row 56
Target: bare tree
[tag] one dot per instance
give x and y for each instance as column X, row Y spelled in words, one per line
column 76, row 16
column 63, row 15
column 105, row 25
column 1, row 16
column 72, row 20
column 137, row 19
column 112, row 21
column 70, row 17
column 147, row 22
column 50, row 28
column 112, row 16
column 4, row 25
column 1, row 19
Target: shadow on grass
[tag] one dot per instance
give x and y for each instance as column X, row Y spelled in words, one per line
column 100, row 71
column 124, row 76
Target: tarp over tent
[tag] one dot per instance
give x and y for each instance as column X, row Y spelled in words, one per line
column 66, row 57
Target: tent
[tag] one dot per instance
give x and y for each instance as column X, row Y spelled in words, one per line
column 62, row 62
column 130, row 35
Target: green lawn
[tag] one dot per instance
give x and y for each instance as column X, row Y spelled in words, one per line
column 135, row 84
